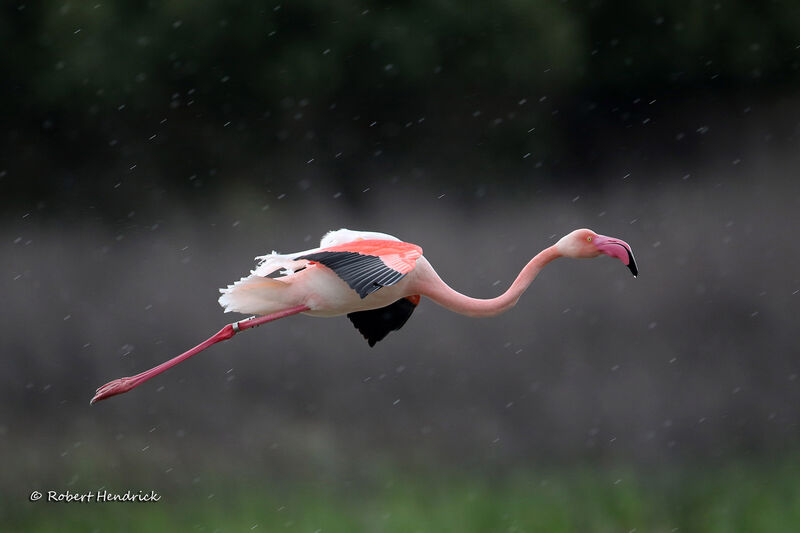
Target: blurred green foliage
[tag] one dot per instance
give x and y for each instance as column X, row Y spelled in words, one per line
column 743, row 497
column 245, row 53
column 182, row 87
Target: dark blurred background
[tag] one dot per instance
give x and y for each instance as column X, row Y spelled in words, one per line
column 152, row 149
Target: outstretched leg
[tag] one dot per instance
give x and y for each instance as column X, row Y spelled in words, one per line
column 118, row 386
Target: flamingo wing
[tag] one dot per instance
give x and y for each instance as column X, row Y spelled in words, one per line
column 375, row 324
column 367, row 265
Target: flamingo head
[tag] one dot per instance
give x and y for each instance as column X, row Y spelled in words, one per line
column 584, row 243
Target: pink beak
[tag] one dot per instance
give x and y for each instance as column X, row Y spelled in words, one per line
column 619, row 249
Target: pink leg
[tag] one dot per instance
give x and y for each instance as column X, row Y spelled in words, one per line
column 118, row 386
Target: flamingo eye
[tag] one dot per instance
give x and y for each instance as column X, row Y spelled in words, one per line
column 588, row 239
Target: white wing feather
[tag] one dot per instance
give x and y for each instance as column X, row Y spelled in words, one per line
column 271, row 262
column 342, row 236
column 232, row 295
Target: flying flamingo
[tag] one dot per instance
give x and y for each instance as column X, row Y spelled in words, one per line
column 373, row 278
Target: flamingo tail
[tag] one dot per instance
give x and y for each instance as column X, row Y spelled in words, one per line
column 254, row 295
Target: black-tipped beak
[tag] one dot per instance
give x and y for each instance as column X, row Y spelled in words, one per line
column 632, row 263
column 619, row 249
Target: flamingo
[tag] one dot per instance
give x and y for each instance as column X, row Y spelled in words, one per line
column 374, row 278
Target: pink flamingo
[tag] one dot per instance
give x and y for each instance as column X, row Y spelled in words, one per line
column 373, row 278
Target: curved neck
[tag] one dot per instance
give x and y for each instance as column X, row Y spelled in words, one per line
column 442, row 294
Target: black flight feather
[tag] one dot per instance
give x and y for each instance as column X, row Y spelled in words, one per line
column 375, row 324
column 364, row 273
